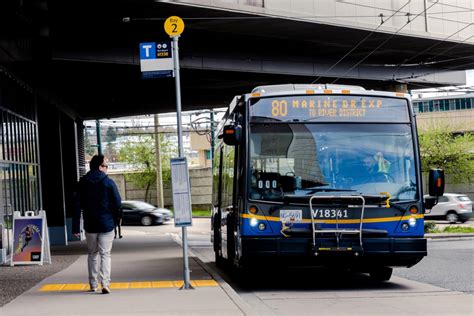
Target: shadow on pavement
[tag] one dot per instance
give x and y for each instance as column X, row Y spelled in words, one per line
column 261, row 278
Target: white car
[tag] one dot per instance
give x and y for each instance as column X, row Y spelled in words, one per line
column 452, row 207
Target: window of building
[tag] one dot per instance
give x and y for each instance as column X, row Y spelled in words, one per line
column 426, row 106
column 452, row 105
column 458, row 104
column 445, row 105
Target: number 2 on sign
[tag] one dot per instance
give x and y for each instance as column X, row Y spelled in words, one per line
column 279, row 108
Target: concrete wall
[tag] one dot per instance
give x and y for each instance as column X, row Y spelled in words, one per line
column 458, row 121
column 201, row 189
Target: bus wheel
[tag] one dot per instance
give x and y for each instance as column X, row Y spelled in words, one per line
column 220, row 261
column 381, row 274
column 217, row 246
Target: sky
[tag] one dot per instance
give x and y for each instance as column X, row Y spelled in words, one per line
column 165, row 119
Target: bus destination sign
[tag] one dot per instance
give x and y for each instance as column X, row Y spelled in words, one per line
column 331, row 108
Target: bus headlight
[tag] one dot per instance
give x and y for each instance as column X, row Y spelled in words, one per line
column 412, row 221
column 405, row 226
column 262, row 226
column 253, row 222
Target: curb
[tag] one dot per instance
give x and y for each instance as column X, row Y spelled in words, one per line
column 449, row 236
column 244, row 307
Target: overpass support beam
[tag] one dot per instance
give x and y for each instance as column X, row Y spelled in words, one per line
column 51, row 162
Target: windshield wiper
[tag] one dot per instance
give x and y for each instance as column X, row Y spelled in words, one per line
column 397, row 201
column 304, row 198
column 320, row 189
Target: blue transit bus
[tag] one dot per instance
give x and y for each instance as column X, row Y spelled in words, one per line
column 323, row 175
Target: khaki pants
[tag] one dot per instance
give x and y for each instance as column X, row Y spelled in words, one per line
column 99, row 245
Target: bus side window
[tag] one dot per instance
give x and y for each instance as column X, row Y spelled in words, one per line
column 227, row 175
column 217, row 178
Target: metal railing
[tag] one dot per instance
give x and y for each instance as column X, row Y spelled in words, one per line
column 337, row 231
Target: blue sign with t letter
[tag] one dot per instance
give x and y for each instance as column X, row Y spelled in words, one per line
column 147, row 50
column 156, row 60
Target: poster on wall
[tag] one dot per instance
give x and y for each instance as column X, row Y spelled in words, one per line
column 29, row 239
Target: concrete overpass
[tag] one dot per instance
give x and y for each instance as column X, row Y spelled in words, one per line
column 86, row 57
column 62, row 62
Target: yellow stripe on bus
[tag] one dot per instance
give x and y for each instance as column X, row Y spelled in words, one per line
column 340, row 221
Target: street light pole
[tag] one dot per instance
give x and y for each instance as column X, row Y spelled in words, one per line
column 181, row 154
column 159, row 176
column 99, row 138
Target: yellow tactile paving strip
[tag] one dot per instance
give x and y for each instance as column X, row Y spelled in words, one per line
column 127, row 285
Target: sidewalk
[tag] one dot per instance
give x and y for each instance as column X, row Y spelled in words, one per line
column 147, row 272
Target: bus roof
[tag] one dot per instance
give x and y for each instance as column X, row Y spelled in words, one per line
column 292, row 89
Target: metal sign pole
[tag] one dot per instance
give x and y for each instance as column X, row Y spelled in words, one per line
column 180, row 154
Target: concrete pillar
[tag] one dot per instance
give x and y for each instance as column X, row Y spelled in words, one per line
column 51, row 162
column 398, row 87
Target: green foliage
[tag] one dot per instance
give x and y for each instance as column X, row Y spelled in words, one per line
column 457, row 229
column 111, row 152
column 430, row 227
column 141, row 154
column 88, row 148
column 441, row 149
column 110, row 135
column 198, row 211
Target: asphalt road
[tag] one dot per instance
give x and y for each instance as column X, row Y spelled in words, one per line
column 425, row 289
column 449, row 264
column 267, row 290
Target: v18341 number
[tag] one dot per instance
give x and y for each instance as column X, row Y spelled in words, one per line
column 330, row 213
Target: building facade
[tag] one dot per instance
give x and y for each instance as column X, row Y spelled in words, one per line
column 453, row 111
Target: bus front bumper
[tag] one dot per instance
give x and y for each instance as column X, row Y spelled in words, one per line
column 388, row 251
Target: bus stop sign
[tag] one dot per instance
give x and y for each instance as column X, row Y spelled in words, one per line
column 174, row 26
column 181, row 192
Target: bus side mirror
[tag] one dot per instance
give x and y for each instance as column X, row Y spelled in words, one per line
column 436, row 182
column 430, row 201
column 231, row 134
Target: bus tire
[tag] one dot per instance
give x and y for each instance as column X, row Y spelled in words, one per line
column 220, row 262
column 231, row 240
column 381, row 274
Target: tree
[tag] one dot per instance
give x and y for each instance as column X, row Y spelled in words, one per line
column 440, row 148
column 89, row 149
column 140, row 152
column 110, row 135
column 111, row 152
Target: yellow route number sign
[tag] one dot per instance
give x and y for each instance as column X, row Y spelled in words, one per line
column 174, row 26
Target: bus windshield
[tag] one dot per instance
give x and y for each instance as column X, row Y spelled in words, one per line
column 304, row 159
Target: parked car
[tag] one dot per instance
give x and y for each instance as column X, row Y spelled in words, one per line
column 138, row 212
column 452, row 207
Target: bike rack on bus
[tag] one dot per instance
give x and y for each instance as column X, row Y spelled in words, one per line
column 337, row 231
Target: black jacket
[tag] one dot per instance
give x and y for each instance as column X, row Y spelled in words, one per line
column 98, row 198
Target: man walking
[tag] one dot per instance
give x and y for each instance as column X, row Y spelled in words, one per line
column 98, row 198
